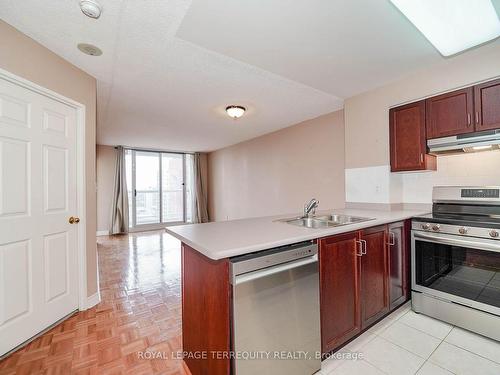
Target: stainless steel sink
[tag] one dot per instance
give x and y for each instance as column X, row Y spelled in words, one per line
column 309, row 222
column 325, row 221
column 343, row 219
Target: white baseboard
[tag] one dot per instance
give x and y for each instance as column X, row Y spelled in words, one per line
column 102, row 233
column 93, row 300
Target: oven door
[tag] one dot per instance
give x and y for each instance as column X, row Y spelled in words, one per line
column 462, row 270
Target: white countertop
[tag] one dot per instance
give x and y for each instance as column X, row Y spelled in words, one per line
column 225, row 239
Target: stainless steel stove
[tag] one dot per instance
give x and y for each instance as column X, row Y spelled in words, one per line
column 455, row 257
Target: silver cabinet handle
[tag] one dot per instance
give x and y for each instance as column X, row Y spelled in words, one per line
column 360, row 248
column 363, row 252
column 477, row 118
column 468, row 119
column 392, row 239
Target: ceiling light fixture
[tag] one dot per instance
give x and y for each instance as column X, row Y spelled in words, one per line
column 235, row 111
column 89, row 49
column 91, row 8
column 452, row 26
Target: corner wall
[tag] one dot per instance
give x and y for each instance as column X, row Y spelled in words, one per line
column 279, row 172
column 368, row 177
column 28, row 59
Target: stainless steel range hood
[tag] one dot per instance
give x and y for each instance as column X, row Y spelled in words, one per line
column 472, row 142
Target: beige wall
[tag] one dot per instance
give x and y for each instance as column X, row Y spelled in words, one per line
column 368, row 177
column 28, row 59
column 106, row 161
column 367, row 115
column 278, row 172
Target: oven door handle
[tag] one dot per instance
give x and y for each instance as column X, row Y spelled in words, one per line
column 459, row 241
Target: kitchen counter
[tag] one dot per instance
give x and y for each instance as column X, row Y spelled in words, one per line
column 224, row 239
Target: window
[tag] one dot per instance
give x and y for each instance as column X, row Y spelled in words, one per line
column 159, row 187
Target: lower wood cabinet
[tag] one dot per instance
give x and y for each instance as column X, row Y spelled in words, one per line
column 339, row 289
column 399, row 263
column 374, row 293
column 363, row 276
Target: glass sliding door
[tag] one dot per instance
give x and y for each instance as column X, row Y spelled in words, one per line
column 189, row 186
column 147, row 188
column 157, row 189
column 172, row 172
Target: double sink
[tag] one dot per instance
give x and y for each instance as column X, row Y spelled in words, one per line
column 324, row 221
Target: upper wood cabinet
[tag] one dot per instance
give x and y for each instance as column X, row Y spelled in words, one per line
column 487, row 105
column 408, row 145
column 450, row 114
column 472, row 109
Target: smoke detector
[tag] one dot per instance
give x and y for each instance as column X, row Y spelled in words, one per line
column 89, row 49
column 91, row 8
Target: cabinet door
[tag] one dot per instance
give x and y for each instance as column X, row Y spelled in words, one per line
column 450, row 113
column 398, row 264
column 487, row 105
column 374, row 275
column 339, row 286
column 407, row 138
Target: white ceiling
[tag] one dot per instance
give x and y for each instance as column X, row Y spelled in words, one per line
column 170, row 67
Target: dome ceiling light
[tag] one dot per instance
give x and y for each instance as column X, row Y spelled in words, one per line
column 89, row 49
column 91, row 8
column 235, row 111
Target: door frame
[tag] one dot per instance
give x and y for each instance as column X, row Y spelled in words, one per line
column 83, row 303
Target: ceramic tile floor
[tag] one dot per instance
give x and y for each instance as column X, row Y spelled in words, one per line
column 410, row 343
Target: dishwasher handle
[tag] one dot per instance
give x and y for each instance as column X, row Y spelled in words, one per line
column 249, row 276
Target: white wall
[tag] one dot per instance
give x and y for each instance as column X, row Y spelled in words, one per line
column 481, row 169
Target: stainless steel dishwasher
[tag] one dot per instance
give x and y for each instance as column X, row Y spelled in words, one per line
column 276, row 321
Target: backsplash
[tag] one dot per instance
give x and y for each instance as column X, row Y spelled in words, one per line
column 378, row 185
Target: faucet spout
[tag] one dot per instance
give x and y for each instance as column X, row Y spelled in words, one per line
column 311, row 207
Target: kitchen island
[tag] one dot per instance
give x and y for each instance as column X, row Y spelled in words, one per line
column 358, row 285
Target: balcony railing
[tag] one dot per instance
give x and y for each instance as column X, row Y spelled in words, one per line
column 147, row 206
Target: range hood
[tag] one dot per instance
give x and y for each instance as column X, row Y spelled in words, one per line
column 472, row 142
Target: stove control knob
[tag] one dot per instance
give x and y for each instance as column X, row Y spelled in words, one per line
column 463, row 230
column 436, row 227
column 426, row 226
column 494, row 233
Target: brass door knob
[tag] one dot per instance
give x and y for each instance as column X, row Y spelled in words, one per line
column 74, row 220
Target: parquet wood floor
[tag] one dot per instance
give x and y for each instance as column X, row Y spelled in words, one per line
column 140, row 312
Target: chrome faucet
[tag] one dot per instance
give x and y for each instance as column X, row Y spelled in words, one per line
column 311, row 207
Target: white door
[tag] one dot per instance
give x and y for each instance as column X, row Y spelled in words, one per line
column 38, row 192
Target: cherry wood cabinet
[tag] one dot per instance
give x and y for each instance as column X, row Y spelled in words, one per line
column 399, row 263
column 450, row 114
column 206, row 322
column 487, row 105
column 408, row 145
column 374, row 275
column 339, row 264
column 362, row 278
